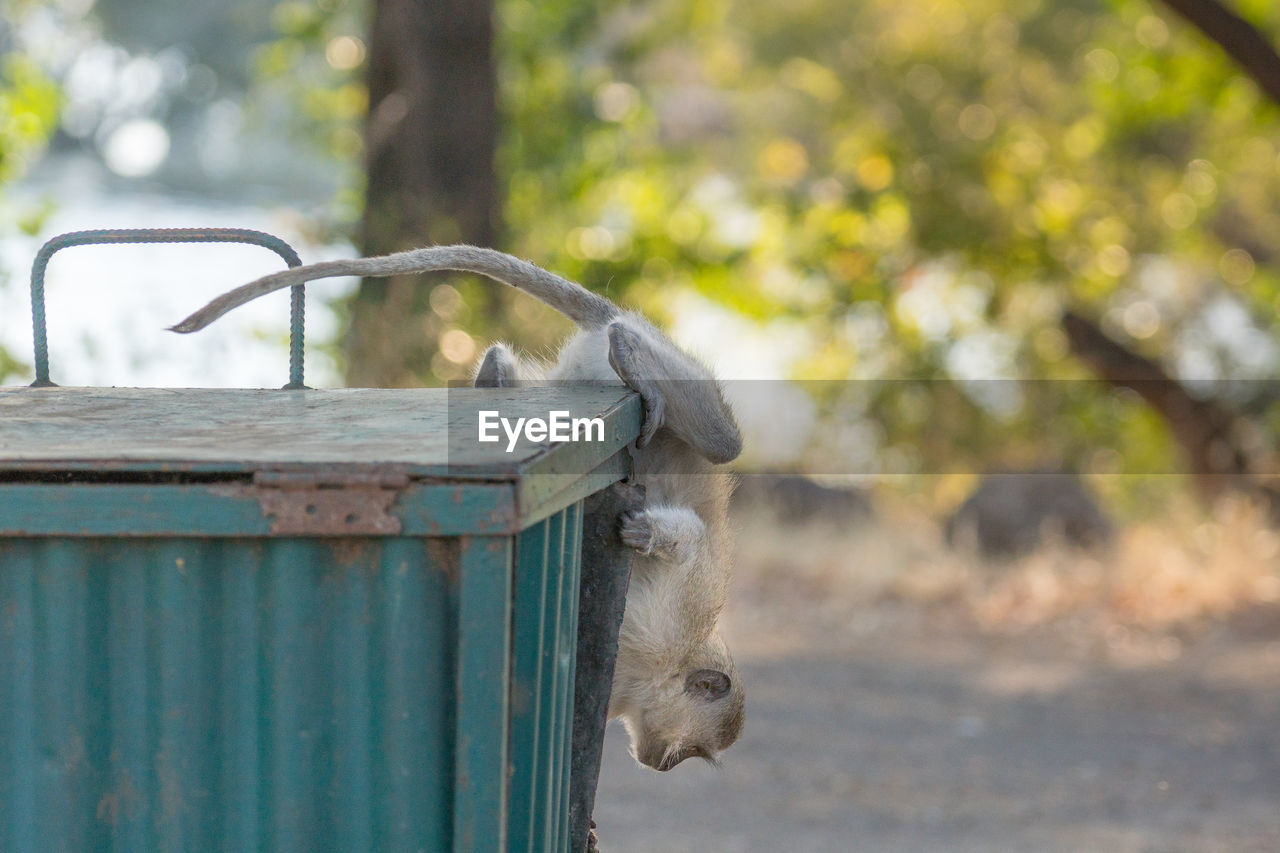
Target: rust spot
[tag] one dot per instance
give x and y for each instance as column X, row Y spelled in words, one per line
column 349, row 552
column 329, row 512
column 231, row 490
column 330, row 503
column 521, row 697
column 172, row 803
column 109, row 808
column 75, row 753
column 122, row 799
column 444, row 555
column 464, row 746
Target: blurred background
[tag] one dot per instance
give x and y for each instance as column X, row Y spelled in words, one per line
column 995, row 285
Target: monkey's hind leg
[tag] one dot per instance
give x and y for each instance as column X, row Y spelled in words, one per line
column 628, row 356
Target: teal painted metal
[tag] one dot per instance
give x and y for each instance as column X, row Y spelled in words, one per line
column 180, row 695
column 223, row 510
column 542, row 684
column 566, row 646
column 531, row 599
column 176, row 674
column 484, row 648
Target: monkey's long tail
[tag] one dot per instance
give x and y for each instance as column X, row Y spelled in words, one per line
column 573, row 300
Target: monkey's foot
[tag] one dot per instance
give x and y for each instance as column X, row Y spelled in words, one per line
column 627, row 356
column 593, row 842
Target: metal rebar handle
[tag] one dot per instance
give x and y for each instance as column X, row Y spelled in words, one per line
column 297, row 303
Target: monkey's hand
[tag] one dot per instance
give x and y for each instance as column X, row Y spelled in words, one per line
column 672, row 533
column 636, row 531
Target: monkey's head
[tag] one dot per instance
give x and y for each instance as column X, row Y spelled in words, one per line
column 696, row 712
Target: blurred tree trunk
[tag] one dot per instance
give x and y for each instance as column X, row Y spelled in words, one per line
column 1243, row 43
column 1213, row 437
column 1216, row 440
column 430, row 138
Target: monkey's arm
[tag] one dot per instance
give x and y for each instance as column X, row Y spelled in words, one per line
column 672, row 533
column 677, row 589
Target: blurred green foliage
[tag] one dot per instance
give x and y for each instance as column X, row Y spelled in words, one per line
column 28, row 112
column 916, row 187
column 310, row 85
column 29, row 104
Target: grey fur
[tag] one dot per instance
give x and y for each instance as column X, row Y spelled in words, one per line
column 577, row 303
column 497, row 369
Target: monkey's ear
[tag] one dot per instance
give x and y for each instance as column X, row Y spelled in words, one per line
column 710, row 684
column 497, row 370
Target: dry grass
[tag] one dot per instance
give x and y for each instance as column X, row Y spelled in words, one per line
column 1178, row 573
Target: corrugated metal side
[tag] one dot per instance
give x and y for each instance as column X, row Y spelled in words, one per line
column 188, row 694
column 481, row 782
column 544, row 643
column 571, row 552
column 528, row 636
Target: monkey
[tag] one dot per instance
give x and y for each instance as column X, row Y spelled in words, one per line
column 675, row 687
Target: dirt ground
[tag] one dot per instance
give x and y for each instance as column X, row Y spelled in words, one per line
column 896, row 727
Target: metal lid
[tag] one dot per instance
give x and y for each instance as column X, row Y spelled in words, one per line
column 429, row 432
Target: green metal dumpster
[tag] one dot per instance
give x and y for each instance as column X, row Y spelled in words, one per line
column 290, row 619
